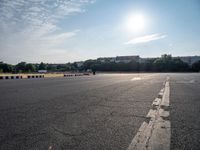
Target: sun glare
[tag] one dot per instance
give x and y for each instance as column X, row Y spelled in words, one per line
column 135, row 22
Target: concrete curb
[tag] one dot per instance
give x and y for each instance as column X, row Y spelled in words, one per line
column 155, row 132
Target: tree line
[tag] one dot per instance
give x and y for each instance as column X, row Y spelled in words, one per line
column 166, row 63
column 24, row 67
column 163, row 64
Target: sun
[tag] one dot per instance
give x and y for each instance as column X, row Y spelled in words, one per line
column 135, row 22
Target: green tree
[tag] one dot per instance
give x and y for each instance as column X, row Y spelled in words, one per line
column 5, row 67
column 30, row 68
column 196, row 66
column 179, row 66
column 51, row 67
column 88, row 64
column 21, row 67
column 42, row 66
column 147, row 65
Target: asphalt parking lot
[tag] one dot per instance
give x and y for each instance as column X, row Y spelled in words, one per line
column 101, row 112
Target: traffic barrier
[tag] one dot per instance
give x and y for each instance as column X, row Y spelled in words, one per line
column 68, row 75
column 76, row 74
column 10, row 77
column 86, row 74
column 18, row 77
column 35, row 76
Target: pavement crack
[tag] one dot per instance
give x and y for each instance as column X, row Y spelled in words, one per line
column 69, row 134
column 165, row 118
column 166, row 108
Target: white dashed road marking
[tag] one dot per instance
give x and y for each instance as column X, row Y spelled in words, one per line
column 135, row 78
column 155, row 132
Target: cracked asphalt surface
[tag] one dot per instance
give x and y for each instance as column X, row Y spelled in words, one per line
column 185, row 111
column 101, row 112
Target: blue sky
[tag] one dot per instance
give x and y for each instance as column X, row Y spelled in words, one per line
column 59, row 31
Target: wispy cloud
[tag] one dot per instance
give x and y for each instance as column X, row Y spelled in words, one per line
column 146, row 38
column 32, row 26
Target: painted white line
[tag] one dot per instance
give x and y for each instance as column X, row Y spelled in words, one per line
column 156, row 102
column 165, row 99
column 155, row 134
column 135, row 78
column 192, row 81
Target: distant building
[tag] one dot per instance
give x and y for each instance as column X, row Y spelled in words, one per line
column 79, row 63
column 189, row 59
column 106, row 59
column 127, row 59
column 118, row 59
column 144, row 60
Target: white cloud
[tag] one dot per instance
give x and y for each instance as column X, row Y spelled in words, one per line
column 31, row 27
column 146, row 38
